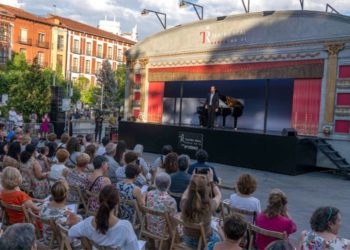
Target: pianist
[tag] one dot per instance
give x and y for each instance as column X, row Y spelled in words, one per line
column 212, row 105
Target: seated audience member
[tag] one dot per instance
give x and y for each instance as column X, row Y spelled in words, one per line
column 160, row 200
column 120, row 151
column 234, row 230
column 202, row 157
column 106, row 229
column 180, row 179
column 73, row 147
column 113, row 165
column 11, row 194
column 43, row 159
column 59, row 169
column 52, row 151
column 274, row 218
column 89, row 139
column 280, row 245
column 81, row 140
column 197, row 206
column 91, row 151
column 78, row 177
column 129, row 158
column 129, row 191
column 170, row 164
column 138, row 149
column 243, row 199
column 102, row 148
column 12, row 157
column 325, row 224
column 97, row 181
column 160, row 160
column 64, row 139
column 57, row 210
column 19, row 236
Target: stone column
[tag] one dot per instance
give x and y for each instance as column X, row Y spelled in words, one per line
column 144, row 78
column 333, row 50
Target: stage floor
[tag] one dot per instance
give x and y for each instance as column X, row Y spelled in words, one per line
column 269, row 152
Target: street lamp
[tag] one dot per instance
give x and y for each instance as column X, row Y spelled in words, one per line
column 184, row 4
column 145, row 12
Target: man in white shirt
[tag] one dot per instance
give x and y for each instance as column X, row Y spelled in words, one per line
column 13, row 115
column 102, row 149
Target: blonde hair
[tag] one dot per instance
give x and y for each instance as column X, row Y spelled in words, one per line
column 26, row 140
column 83, row 159
column 11, row 178
column 59, row 191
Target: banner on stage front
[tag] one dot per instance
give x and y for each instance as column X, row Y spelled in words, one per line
column 190, row 141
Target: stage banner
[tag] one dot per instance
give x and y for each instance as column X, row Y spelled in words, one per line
column 190, row 141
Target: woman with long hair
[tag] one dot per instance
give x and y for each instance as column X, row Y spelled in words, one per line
column 197, row 206
column 12, row 157
column 274, row 218
column 119, row 153
column 73, row 147
column 106, row 229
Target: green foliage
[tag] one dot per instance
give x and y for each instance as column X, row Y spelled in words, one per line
column 120, row 75
column 108, row 85
column 88, row 96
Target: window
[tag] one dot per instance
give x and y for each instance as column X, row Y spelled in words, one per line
column 110, row 53
column 98, row 67
column 3, row 55
column 41, row 37
column 60, row 42
column 99, row 51
column 40, row 58
column 4, row 33
column 24, row 36
column 76, row 48
column 59, row 62
column 88, row 49
column 87, row 66
column 119, row 55
column 75, row 65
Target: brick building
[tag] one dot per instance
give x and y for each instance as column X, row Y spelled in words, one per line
column 6, row 26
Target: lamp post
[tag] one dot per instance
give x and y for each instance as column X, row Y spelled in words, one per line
column 145, row 12
column 198, row 8
column 246, row 6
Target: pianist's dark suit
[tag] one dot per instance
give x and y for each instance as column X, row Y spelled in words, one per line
column 211, row 108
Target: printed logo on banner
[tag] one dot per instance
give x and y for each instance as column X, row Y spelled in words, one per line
column 190, row 141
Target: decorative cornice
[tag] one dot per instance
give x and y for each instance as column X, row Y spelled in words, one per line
column 143, row 62
column 343, row 84
column 237, row 59
column 342, row 111
column 334, row 48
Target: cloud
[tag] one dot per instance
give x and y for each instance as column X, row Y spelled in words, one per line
column 127, row 12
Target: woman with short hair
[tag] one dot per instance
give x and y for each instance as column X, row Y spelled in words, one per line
column 12, row 157
column 73, row 147
column 106, row 229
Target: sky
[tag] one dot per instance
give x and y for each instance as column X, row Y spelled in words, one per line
column 128, row 12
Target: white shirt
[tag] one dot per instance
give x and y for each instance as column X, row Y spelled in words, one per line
column 57, row 171
column 19, row 121
column 12, row 116
column 211, row 99
column 245, row 203
column 101, row 150
column 121, row 235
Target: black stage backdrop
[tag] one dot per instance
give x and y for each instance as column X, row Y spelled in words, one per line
column 268, row 103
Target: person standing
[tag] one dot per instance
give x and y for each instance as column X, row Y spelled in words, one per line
column 212, row 106
column 45, row 125
column 12, row 116
column 98, row 127
column 19, row 120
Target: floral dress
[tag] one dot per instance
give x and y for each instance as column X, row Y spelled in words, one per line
column 160, row 201
column 76, row 179
column 126, row 192
column 95, row 187
column 312, row 241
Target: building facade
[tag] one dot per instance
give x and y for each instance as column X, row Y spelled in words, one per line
column 6, row 28
column 308, row 52
column 59, row 48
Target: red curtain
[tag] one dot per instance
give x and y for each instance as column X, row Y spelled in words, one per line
column 155, row 101
column 306, row 106
column 343, row 99
column 344, row 71
column 342, row 126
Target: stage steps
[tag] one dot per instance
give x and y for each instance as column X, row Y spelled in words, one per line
column 343, row 166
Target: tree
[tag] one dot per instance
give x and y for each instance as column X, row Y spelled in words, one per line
column 88, row 96
column 108, row 86
column 120, row 75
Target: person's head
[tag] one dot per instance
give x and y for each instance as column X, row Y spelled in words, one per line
column 73, row 145
column 30, row 148
column 14, row 149
column 83, row 160
column 80, row 139
column 65, row 138
column 105, row 140
column 132, row 171
column 235, row 227
column 109, row 201
column 26, row 140
column 120, row 150
column 170, row 163
column 19, row 236
column 277, row 204
column 52, row 148
column 59, row 191
column 51, row 137
column 198, row 203
column 167, row 149
column 183, row 161
column 326, row 219
column 44, row 150
column 62, row 155
column 201, row 156
column 3, row 148
column 25, row 156
column 138, row 149
column 89, row 138
column 130, row 157
column 111, row 149
column 246, row 184
column 91, row 151
column 11, row 178
column 280, row 245
column 212, row 89
column 100, row 162
column 163, row 182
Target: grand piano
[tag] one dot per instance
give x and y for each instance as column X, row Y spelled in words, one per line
column 231, row 107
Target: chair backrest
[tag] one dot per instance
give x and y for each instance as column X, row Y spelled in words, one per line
column 137, row 217
column 82, row 199
column 197, row 226
column 34, row 219
column 63, row 237
column 89, row 244
column 253, row 230
column 227, row 209
column 22, row 209
column 167, row 232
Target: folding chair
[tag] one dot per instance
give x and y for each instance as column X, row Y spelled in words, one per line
column 89, row 244
column 227, row 209
column 5, row 207
column 137, row 216
column 253, row 230
column 64, row 239
column 82, row 200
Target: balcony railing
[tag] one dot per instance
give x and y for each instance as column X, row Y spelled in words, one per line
column 4, row 38
column 75, row 69
column 42, row 44
column 27, row 41
column 76, row 50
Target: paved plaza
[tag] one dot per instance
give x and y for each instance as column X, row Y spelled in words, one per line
column 305, row 192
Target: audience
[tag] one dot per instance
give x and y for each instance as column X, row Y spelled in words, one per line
column 128, row 158
column 12, row 157
column 73, row 147
column 243, row 199
column 280, row 245
column 43, row 159
column 138, row 149
column 274, row 218
column 170, row 164
column 160, row 160
column 64, row 139
column 20, row 236
column 59, row 169
column 325, row 224
column 102, row 149
column 91, row 151
column 197, row 206
column 106, row 229
column 11, row 194
column 202, row 157
column 113, row 165
column 120, row 151
column 89, row 140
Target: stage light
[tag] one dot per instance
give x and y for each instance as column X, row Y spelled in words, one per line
column 145, row 12
column 198, row 8
column 182, row 4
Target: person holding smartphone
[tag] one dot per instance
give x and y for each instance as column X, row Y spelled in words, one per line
column 201, row 167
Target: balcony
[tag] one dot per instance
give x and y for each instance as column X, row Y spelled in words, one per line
column 75, row 69
column 24, row 41
column 42, row 44
column 76, row 50
column 4, row 38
